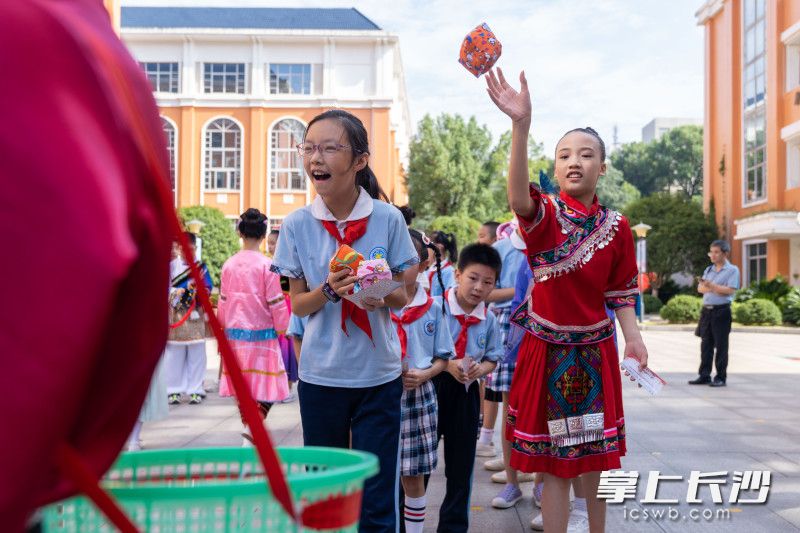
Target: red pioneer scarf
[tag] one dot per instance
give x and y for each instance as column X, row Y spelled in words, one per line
column 466, row 323
column 409, row 316
column 352, row 232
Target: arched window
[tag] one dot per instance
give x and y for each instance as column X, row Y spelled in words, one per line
column 286, row 165
column 169, row 131
column 223, row 155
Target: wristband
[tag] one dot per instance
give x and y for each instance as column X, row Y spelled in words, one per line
column 329, row 293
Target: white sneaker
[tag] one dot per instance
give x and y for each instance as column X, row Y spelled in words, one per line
column 495, row 465
column 509, row 497
column 537, row 500
column 485, row 450
column 578, row 522
column 522, row 477
column 289, row 399
column 537, row 524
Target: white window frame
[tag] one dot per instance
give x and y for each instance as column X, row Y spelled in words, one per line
column 156, row 87
column 206, row 161
column 746, row 260
column 173, row 155
column 270, row 169
column 244, row 73
column 758, row 108
column 791, row 41
column 280, row 94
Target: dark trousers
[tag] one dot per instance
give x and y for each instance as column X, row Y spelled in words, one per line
column 714, row 329
column 372, row 414
column 459, row 411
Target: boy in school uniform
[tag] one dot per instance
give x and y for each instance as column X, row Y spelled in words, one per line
column 476, row 335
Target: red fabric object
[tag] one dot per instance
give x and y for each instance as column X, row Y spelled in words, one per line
column 409, row 316
column 527, row 425
column 480, row 50
column 575, row 279
column 87, row 324
column 461, row 342
column 337, row 512
column 354, row 229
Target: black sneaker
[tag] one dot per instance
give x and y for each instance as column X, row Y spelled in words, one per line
column 174, row 399
column 718, row 382
column 700, row 381
column 195, row 399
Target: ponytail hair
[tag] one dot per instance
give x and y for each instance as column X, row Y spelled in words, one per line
column 359, row 144
column 448, row 240
column 422, row 243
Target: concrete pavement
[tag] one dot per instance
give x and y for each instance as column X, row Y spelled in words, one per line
column 753, row 424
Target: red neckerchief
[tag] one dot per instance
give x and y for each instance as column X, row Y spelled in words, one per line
column 579, row 207
column 432, row 272
column 466, row 323
column 409, row 316
column 354, row 229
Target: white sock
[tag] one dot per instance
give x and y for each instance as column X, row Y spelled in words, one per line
column 414, row 514
column 486, row 436
column 579, row 504
column 133, row 440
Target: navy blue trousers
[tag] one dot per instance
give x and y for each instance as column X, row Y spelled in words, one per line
column 372, row 414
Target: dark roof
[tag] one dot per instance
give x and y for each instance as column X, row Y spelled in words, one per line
column 250, row 18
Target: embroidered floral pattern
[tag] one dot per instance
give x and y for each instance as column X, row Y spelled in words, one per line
column 593, row 233
column 549, row 332
column 621, row 301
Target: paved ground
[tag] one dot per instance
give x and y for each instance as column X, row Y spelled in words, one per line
column 753, row 424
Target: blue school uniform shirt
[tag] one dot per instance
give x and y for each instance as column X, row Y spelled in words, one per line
column 483, row 339
column 328, row 356
column 428, row 336
column 297, row 326
column 523, row 280
column 448, row 280
column 512, row 258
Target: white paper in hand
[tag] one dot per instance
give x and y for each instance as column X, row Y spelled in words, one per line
column 647, row 379
column 380, row 289
column 466, row 363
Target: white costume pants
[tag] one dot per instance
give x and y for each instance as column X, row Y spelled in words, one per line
column 185, row 367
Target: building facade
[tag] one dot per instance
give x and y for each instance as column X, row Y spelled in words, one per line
column 752, row 131
column 237, row 86
column 657, row 127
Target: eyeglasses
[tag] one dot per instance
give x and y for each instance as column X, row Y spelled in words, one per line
column 326, row 149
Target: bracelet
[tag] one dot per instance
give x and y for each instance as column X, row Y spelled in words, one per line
column 329, row 293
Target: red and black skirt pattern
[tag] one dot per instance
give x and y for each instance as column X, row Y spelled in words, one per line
column 565, row 412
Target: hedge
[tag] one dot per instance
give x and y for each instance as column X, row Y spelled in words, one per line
column 682, row 309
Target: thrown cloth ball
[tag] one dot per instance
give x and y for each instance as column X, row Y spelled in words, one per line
column 480, row 50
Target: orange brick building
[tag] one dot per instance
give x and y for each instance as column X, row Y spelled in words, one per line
column 237, row 86
column 752, row 131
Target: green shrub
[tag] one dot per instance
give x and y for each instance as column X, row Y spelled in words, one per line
column 772, row 290
column 219, row 238
column 682, row 309
column 790, row 306
column 758, row 311
column 464, row 228
column 652, row 304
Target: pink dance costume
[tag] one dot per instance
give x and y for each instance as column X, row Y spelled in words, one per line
column 252, row 310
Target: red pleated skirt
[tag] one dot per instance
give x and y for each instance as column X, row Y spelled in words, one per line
column 526, row 426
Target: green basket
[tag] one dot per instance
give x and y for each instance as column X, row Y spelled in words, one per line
column 215, row 489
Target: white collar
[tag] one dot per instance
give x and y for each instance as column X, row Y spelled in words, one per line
column 362, row 209
column 479, row 312
column 517, row 241
column 420, row 297
column 422, row 280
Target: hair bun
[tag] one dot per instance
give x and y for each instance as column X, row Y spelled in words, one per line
column 253, row 215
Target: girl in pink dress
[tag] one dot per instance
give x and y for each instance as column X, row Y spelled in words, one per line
column 252, row 310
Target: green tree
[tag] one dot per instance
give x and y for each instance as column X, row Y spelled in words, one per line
column 679, row 159
column 673, row 162
column 450, row 168
column 464, row 228
column 636, row 163
column 613, row 191
column 219, row 238
column 680, row 236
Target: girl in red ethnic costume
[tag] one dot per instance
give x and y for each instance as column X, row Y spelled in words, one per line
column 565, row 409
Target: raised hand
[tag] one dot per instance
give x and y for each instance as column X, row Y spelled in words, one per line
column 515, row 104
